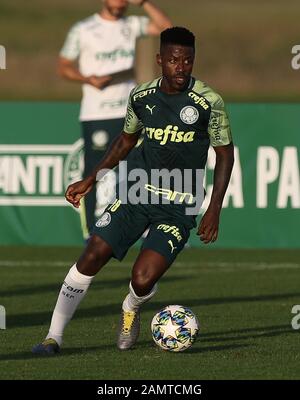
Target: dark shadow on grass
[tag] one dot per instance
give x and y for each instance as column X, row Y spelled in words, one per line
column 55, row 288
column 241, row 334
column 234, row 299
column 197, row 348
column 42, row 318
column 141, row 346
column 232, row 346
column 27, row 355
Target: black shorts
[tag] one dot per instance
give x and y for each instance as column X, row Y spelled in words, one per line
column 121, row 225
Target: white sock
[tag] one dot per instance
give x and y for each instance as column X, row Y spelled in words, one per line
column 72, row 292
column 133, row 302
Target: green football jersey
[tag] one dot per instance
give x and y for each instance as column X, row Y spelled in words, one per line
column 177, row 129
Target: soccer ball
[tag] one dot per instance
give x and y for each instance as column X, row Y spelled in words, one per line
column 174, row 328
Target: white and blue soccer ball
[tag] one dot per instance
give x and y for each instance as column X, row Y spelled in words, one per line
column 174, row 328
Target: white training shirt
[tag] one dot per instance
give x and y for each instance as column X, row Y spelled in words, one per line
column 102, row 48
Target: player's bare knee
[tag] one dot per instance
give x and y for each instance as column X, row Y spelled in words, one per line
column 94, row 257
column 142, row 282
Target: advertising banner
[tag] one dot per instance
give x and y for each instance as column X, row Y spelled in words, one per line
column 41, row 152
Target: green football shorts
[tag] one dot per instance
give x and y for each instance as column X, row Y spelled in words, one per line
column 121, row 225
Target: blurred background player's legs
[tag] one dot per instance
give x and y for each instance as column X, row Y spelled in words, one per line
column 97, row 136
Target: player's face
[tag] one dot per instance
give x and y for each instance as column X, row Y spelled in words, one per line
column 117, row 8
column 177, row 63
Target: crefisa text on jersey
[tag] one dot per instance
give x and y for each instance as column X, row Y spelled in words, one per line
column 150, row 389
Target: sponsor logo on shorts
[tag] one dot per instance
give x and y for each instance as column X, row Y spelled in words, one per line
column 104, row 220
column 172, row 229
column 172, row 246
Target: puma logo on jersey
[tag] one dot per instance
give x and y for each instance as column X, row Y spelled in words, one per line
column 150, row 108
column 172, row 246
column 170, row 133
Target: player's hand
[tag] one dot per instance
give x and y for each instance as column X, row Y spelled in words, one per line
column 98, row 82
column 209, row 226
column 77, row 190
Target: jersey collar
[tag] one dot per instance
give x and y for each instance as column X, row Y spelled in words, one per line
column 190, row 85
column 101, row 20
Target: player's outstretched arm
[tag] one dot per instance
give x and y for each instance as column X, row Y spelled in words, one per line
column 118, row 151
column 209, row 225
column 159, row 21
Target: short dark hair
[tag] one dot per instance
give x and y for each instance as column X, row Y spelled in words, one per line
column 177, row 35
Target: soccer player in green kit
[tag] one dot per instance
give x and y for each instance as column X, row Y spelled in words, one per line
column 180, row 117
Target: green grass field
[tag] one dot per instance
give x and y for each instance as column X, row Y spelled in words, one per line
column 243, row 300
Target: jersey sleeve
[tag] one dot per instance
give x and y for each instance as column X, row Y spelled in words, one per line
column 132, row 122
column 139, row 25
column 71, row 47
column 218, row 126
column 143, row 25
